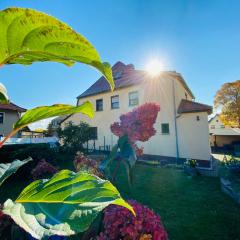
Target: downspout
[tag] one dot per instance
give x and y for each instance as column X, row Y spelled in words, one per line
column 175, row 120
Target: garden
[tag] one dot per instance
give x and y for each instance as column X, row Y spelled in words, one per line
column 63, row 193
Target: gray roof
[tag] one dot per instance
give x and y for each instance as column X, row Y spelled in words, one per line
column 125, row 76
column 225, row 131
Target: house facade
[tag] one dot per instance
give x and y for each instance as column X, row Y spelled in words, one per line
column 221, row 135
column 9, row 115
column 182, row 124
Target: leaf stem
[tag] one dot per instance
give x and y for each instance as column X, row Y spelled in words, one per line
column 8, row 136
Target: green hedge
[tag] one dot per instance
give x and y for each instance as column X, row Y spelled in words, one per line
column 9, row 153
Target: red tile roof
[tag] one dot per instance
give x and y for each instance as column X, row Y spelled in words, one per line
column 187, row 106
column 125, row 76
column 12, row 107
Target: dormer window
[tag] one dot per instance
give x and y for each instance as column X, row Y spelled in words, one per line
column 118, row 75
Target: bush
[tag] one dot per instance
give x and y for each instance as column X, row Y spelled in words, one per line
column 74, row 136
column 119, row 223
column 43, row 170
column 8, row 153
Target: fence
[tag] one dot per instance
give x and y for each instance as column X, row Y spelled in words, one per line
column 30, row 140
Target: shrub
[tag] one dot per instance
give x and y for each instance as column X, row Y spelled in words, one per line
column 35, row 151
column 83, row 163
column 137, row 124
column 74, row 136
column 121, row 224
column 43, row 170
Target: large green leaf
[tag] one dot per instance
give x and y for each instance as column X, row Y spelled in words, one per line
column 44, row 112
column 64, row 205
column 27, row 36
column 3, row 94
column 7, row 169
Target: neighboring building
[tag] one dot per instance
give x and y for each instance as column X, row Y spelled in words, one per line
column 28, row 133
column 182, row 124
column 221, row 135
column 9, row 114
column 55, row 124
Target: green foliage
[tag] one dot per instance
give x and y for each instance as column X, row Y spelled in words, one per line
column 3, row 94
column 228, row 98
column 64, row 205
column 27, row 36
column 74, row 136
column 40, row 113
column 7, row 169
column 69, row 202
column 39, row 151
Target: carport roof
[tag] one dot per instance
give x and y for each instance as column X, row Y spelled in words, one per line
column 225, row 132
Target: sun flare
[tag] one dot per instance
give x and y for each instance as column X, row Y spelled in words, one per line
column 154, row 67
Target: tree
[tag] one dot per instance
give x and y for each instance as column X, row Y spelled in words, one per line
column 50, row 130
column 228, row 98
column 74, row 136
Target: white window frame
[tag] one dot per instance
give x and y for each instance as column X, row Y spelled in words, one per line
column 112, row 97
column 134, row 99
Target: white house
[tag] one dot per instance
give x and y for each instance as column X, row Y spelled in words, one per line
column 182, row 124
column 221, row 135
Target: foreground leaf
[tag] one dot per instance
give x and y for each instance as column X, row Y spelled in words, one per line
column 64, row 205
column 3, row 94
column 44, row 112
column 28, row 36
column 7, row 169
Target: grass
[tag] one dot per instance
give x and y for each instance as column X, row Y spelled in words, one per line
column 190, row 208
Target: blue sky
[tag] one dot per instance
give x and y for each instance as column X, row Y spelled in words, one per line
column 199, row 39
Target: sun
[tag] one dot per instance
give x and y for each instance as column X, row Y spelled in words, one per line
column 154, row 67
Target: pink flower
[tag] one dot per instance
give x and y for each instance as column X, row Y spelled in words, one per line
column 119, row 223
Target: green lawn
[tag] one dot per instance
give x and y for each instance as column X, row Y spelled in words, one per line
column 190, row 208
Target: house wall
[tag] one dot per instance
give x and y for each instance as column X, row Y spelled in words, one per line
column 10, row 117
column 193, row 136
column 216, row 123
column 159, row 91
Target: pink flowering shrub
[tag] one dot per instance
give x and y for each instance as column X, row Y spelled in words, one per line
column 119, row 223
column 83, row 163
column 43, row 170
column 137, row 124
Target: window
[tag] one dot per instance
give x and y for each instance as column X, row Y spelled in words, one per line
column 93, row 133
column 115, row 102
column 165, row 128
column 133, row 98
column 99, row 105
column 1, row 117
